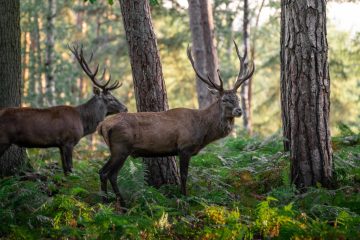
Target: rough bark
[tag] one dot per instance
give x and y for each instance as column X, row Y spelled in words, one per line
column 50, row 39
column 245, row 91
column 10, row 76
column 305, row 91
column 150, row 92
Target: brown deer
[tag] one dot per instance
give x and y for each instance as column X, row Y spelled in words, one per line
column 60, row 126
column 181, row 131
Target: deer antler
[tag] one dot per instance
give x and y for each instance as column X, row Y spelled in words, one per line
column 208, row 81
column 245, row 72
column 92, row 75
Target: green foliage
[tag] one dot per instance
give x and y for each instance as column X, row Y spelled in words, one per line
column 239, row 188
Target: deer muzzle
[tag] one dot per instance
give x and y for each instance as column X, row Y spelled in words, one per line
column 237, row 112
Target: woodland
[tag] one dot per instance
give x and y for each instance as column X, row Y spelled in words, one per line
column 285, row 164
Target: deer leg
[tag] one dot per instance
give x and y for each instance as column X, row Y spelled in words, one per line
column 69, row 157
column 66, row 158
column 184, row 166
column 113, row 177
column 63, row 160
column 103, row 180
column 3, row 148
column 105, row 173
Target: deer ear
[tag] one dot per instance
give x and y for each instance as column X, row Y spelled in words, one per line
column 96, row 91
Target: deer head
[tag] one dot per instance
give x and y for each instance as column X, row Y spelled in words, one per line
column 228, row 100
column 102, row 91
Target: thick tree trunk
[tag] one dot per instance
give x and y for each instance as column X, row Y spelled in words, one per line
column 305, row 91
column 10, row 76
column 245, row 91
column 49, row 68
column 150, row 92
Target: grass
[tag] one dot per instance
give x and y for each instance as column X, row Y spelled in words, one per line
column 239, row 188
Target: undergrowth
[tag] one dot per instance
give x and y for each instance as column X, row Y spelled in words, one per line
column 239, row 188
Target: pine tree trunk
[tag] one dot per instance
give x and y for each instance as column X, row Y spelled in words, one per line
column 305, row 91
column 150, row 92
column 10, row 76
column 245, row 91
column 49, row 68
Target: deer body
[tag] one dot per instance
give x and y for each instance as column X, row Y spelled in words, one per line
column 41, row 128
column 59, row 126
column 154, row 134
column 183, row 132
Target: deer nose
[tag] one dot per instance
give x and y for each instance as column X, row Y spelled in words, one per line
column 237, row 112
column 125, row 109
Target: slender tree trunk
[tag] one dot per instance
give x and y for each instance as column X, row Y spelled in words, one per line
column 207, row 23
column 150, row 92
column 39, row 70
column 305, row 91
column 10, row 76
column 198, row 48
column 79, row 25
column 49, row 68
column 245, row 91
column 32, row 63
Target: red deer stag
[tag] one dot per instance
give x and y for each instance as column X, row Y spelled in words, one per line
column 181, row 131
column 60, row 126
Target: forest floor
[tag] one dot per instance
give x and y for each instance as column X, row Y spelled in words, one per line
column 239, row 188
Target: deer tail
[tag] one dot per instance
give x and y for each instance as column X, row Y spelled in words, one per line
column 104, row 132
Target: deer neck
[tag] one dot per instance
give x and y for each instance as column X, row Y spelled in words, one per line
column 218, row 125
column 92, row 113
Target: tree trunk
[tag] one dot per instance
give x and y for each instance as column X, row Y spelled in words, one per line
column 150, row 92
column 245, row 91
column 40, row 75
column 31, row 93
column 10, row 76
column 50, row 38
column 203, row 94
column 207, row 23
column 305, row 91
column 80, row 28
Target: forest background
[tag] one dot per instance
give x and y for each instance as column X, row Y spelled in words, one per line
column 99, row 28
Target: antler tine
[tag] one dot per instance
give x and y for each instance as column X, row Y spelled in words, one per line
column 108, row 81
column 79, row 55
column 115, row 85
column 214, row 85
column 84, row 65
column 208, row 81
column 244, row 73
column 220, row 79
column 91, row 57
column 103, row 75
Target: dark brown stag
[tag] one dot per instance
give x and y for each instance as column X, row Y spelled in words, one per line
column 60, row 126
column 181, row 131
